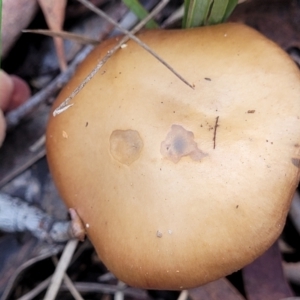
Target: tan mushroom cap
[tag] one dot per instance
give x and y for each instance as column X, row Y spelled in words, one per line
column 179, row 186
column 6, row 89
column 2, row 127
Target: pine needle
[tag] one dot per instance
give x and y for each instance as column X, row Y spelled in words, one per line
column 129, row 35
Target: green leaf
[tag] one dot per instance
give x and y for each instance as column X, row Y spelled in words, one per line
column 230, row 7
column 196, row 12
column 217, row 12
column 136, row 7
column 207, row 12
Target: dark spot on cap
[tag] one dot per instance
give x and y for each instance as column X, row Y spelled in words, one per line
column 296, row 162
column 178, row 143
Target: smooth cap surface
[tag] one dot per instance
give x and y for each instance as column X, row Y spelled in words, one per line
column 179, row 186
column 2, row 127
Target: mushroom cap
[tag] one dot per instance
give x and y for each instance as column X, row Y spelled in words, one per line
column 13, row 91
column 179, row 186
column 6, row 89
column 20, row 94
column 2, row 127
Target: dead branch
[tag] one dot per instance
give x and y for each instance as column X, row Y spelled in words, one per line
column 14, row 117
column 19, row 216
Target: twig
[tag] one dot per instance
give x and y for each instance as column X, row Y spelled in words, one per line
column 129, row 35
column 37, row 290
column 292, row 271
column 106, row 277
column 119, row 295
column 81, row 39
column 20, row 169
column 174, row 17
column 24, row 266
column 14, row 117
column 91, row 287
column 215, row 131
column 19, row 216
column 65, row 104
column 295, row 211
column 184, row 295
column 44, row 284
column 68, row 282
column 60, row 270
column 38, row 144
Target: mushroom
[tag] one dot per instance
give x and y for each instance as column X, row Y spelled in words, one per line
column 6, row 89
column 13, row 92
column 2, row 127
column 176, row 186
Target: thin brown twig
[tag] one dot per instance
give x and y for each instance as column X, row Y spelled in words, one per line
column 78, row 38
column 21, row 168
column 14, row 117
column 215, row 131
column 129, row 35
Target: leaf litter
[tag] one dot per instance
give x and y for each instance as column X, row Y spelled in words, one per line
column 263, row 279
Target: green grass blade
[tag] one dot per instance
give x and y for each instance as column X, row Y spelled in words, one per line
column 196, row 12
column 217, row 12
column 136, row 7
column 207, row 12
column 230, row 7
column 185, row 15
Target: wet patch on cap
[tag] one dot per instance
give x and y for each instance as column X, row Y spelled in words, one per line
column 180, row 142
column 126, row 146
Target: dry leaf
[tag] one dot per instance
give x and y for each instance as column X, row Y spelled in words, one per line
column 54, row 12
column 16, row 15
